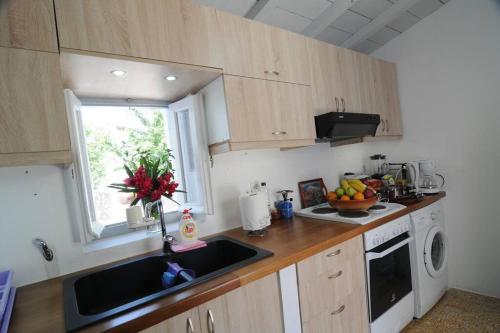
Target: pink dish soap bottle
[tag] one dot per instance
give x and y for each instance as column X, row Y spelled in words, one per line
column 188, row 228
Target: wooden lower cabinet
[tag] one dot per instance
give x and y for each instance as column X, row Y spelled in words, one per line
column 332, row 290
column 186, row 322
column 255, row 307
column 33, row 121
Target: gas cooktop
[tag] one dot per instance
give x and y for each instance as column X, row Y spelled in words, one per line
column 326, row 212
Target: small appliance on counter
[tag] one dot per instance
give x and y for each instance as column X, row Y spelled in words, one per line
column 285, row 207
column 378, row 166
column 427, row 181
column 254, row 212
column 403, row 185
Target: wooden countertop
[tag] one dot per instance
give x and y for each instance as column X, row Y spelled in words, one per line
column 39, row 307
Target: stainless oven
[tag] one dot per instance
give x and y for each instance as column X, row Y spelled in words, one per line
column 388, row 270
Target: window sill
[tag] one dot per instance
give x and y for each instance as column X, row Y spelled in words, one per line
column 128, row 236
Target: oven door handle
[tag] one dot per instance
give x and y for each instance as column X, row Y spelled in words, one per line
column 376, row 255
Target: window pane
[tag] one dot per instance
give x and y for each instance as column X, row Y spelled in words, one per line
column 114, row 135
column 191, row 175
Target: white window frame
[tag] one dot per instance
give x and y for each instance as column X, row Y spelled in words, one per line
column 193, row 106
column 81, row 198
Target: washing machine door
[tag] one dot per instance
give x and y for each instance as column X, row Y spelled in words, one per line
column 436, row 252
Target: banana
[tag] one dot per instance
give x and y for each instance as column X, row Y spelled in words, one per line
column 344, row 184
column 357, row 185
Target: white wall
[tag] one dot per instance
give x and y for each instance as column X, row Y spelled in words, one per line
column 449, row 76
column 33, row 204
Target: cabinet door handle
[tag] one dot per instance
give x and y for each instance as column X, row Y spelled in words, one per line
column 336, row 275
column 339, row 310
column 279, row 132
column 267, row 72
column 334, row 253
column 210, row 321
column 190, row 328
column 387, row 124
column 276, row 73
column 337, row 103
column 382, row 122
column 343, row 104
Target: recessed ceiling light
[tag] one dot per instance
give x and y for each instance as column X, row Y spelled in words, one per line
column 171, row 78
column 118, row 72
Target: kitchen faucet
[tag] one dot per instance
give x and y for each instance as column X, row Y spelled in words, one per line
column 168, row 240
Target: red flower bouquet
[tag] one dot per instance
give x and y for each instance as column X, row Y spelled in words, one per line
column 148, row 182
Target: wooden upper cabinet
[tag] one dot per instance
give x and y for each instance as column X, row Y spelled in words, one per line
column 341, row 79
column 28, row 24
column 387, row 98
column 264, row 110
column 326, row 80
column 171, row 30
column 32, row 113
column 256, row 50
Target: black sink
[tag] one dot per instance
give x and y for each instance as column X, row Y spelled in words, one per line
column 98, row 295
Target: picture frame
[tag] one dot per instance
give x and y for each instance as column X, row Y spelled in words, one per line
column 312, row 192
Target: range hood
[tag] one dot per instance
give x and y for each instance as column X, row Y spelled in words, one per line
column 340, row 126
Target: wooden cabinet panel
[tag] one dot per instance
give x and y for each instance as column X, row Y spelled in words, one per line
column 326, row 81
column 387, row 98
column 332, row 289
column 361, row 83
column 263, row 110
column 342, row 79
column 32, row 113
column 173, row 30
column 28, row 24
column 178, row 324
column 253, row 49
column 255, row 307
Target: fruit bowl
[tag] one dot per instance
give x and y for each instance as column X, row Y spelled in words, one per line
column 353, row 205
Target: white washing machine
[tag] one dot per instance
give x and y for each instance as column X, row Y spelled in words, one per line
column 429, row 255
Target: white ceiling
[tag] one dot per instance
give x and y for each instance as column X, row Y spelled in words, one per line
column 362, row 25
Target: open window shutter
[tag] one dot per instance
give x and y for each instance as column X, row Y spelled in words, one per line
column 81, row 199
column 186, row 120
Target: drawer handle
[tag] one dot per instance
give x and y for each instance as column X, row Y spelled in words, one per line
column 279, row 132
column 334, row 253
column 336, row 275
column 267, row 72
column 339, row 310
column 276, row 73
column 211, row 321
column 190, row 328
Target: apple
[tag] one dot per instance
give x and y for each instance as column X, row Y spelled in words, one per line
column 369, row 193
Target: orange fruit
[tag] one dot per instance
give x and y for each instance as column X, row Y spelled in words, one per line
column 331, row 196
column 359, row 196
column 345, row 198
